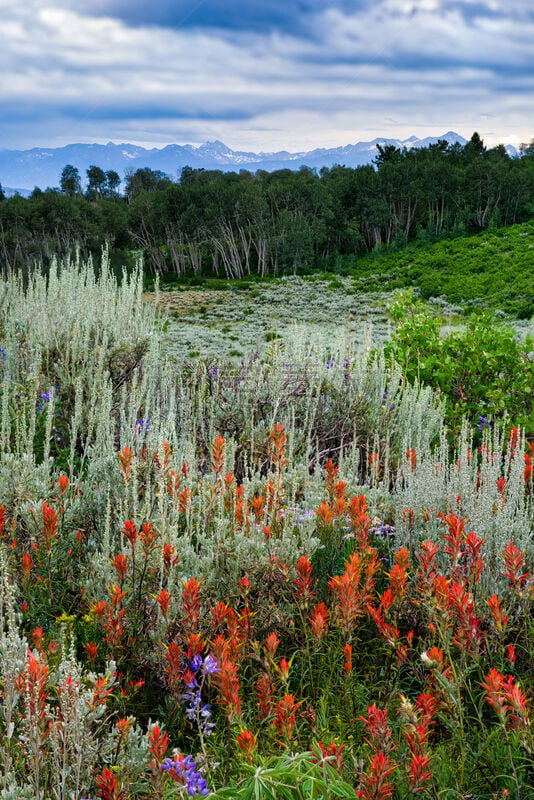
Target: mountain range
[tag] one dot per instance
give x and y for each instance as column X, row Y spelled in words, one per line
column 25, row 169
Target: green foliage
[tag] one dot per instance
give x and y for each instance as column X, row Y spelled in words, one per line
column 489, row 270
column 481, row 368
column 288, row 777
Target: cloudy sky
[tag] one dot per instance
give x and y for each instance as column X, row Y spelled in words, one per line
column 264, row 74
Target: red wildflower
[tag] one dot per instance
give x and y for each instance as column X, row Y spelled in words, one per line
column 91, row 650
column 376, row 784
column 246, row 741
column 257, row 506
column 333, row 753
column 158, row 744
column 264, row 693
column 26, row 565
column 303, row 582
column 130, row 532
column 418, row 771
column 170, row 559
column 378, row 731
column 38, row 638
column 191, row 601
column 148, row 536
column 278, row 447
column 125, row 460
column 330, row 478
column 319, row 621
column 347, row 652
column 50, row 524
column 120, row 562
column 164, row 599
column 324, row 513
column 271, row 644
column 454, row 536
column 219, row 613
column 108, row 786
column 285, row 720
column 227, row 682
column 283, row 669
column 244, row 585
column 513, row 560
column 500, row 620
column 218, row 450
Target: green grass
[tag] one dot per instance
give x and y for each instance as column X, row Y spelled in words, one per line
column 491, row 270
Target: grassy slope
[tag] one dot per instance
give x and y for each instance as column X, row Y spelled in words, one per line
column 494, row 270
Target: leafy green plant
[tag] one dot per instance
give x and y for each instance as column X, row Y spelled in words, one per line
column 288, row 777
column 481, row 369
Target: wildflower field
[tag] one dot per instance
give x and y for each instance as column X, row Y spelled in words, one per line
column 304, row 573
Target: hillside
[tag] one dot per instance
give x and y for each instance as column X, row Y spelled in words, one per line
column 489, row 270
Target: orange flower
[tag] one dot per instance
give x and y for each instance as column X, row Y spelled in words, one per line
column 278, row 447
column 218, row 450
column 26, row 565
column 285, row 712
column 324, row 513
column 514, row 559
column 319, row 621
column 50, row 524
column 283, row 669
column 376, row 784
column 108, row 786
column 271, row 644
column 130, row 532
column 303, row 582
column 125, row 460
column 164, row 599
column 191, row 600
column 92, row 651
column 120, row 562
column 246, row 742
column 347, row 652
column 158, row 744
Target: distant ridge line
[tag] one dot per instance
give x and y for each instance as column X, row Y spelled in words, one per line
column 41, row 166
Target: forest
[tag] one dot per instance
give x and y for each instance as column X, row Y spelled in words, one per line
column 210, row 223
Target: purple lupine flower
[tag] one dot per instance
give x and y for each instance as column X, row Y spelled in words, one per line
column 195, row 663
column 191, row 683
column 142, row 424
column 483, row 423
column 210, row 666
column 44, row 398
column 184, row 770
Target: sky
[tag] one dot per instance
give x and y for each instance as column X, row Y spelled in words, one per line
column 264, row 75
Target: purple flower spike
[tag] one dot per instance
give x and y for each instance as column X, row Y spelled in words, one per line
column 210, row 665
column 195, row 663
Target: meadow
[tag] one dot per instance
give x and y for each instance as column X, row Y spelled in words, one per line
column 249, row 551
